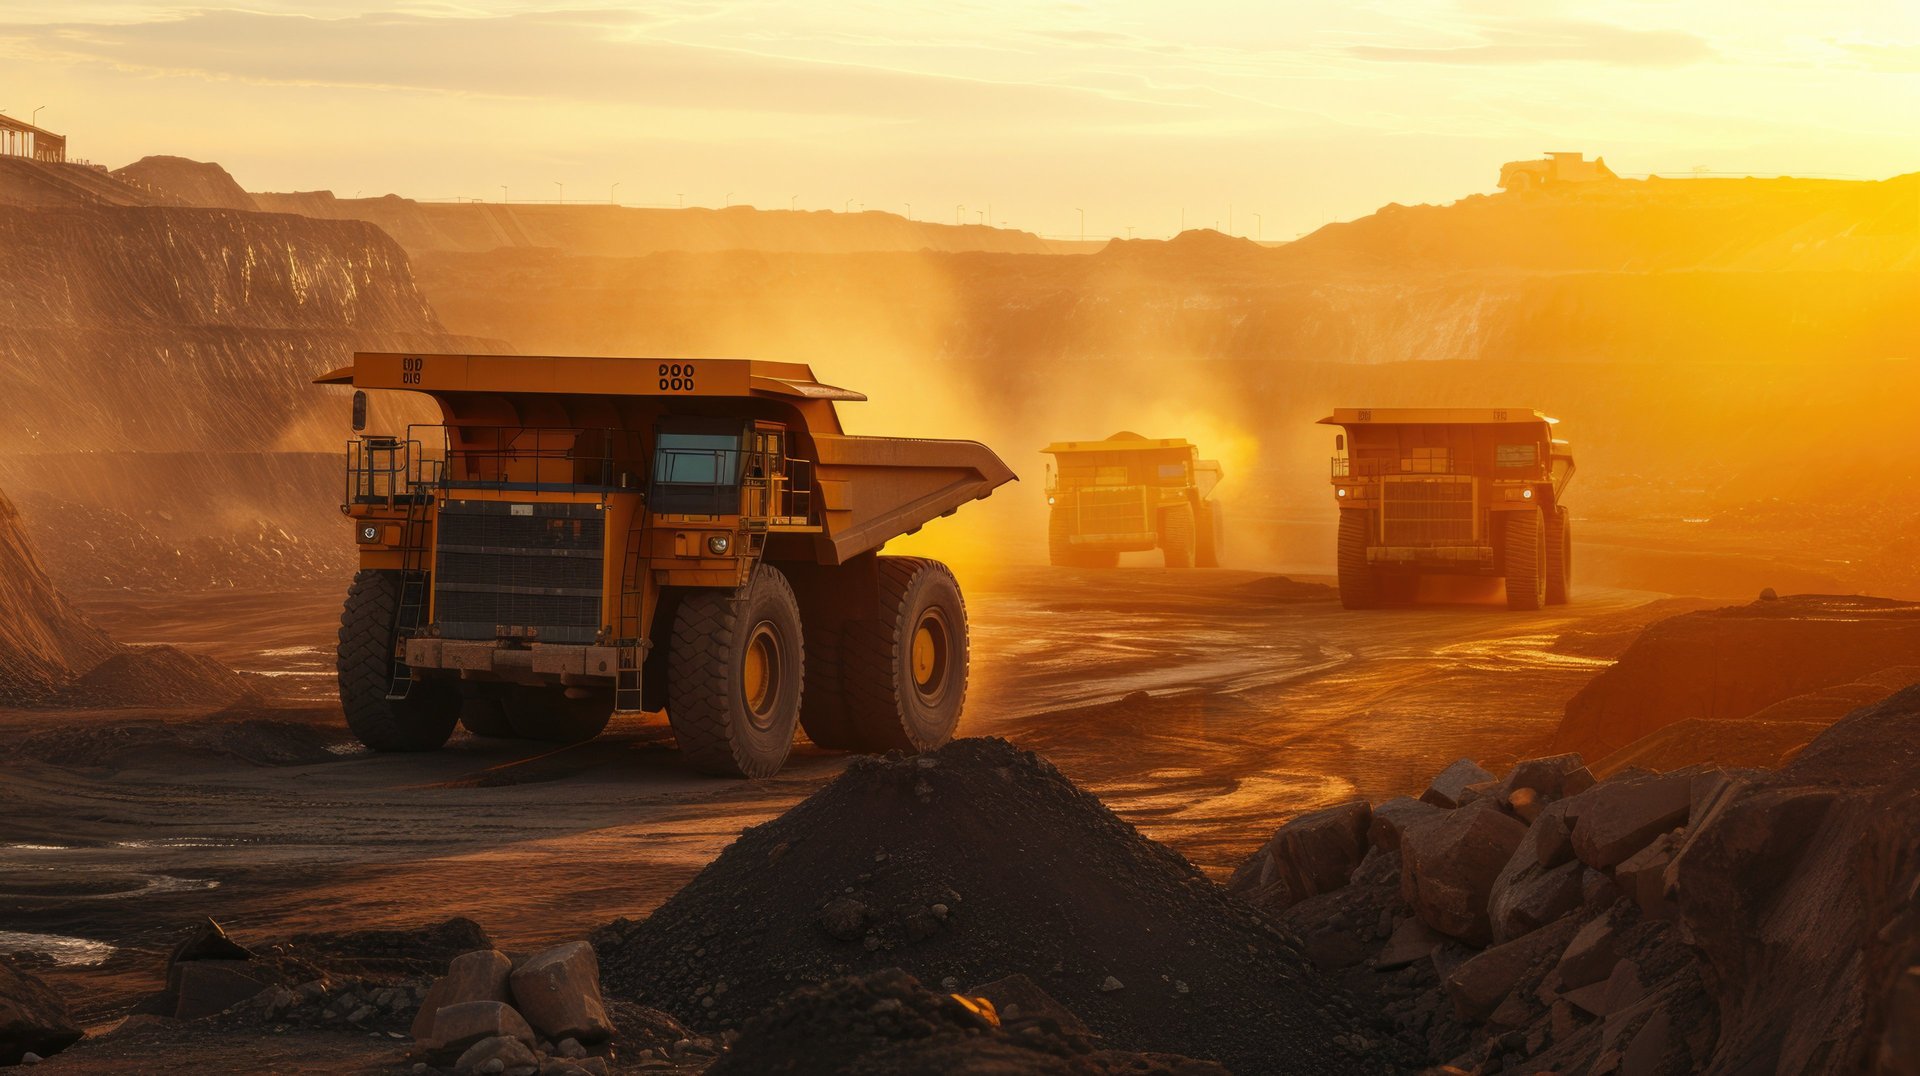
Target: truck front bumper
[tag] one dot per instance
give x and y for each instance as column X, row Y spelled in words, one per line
column 1452, row 556
column 540, row 663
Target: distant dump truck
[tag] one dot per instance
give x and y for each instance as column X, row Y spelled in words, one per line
column 584, row 536
column 1555, row 167
column 1130, row 493
column 1459, row 492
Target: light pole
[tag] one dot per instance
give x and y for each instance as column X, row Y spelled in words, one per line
column 1083, row 223
column 610, row 198
column 682, row 197
column 727, row 201
column 563, row 191
column 1259, row 227
column 793, row 204
column 1129, row 231
column 983, row 216
column 909, row 206
column 848, row 207
column 503, row 194
column 34, row 120
column 957, row 210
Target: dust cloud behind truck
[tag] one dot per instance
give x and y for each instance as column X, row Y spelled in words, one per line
column 1445, row 491
column 1130, row 494
column 583, row 536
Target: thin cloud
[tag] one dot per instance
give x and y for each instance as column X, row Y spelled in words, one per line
column 1552, row 41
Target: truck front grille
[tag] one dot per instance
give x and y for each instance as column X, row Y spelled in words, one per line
column 1427, row 511
column 525, row 570
column 1110, row 511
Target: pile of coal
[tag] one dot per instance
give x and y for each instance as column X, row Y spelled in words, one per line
column 971, row 864
column 887, row 1022
column 1647, row 923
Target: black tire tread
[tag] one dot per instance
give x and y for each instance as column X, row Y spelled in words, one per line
column 871, row 657
column 1176, row 535
column 1521, row 531
column 698, row 687
column 1359, row 586
column 1559, row 557
column 363, row 662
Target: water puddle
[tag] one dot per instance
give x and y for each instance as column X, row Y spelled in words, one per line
column 73, row 952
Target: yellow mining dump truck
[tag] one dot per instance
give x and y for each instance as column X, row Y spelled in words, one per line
column 1451, row 491
column 1130, row 493
column 583, row 536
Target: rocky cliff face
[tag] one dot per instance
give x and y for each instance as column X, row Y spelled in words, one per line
column 620, row 230
column 157, row 362
column 43, row 640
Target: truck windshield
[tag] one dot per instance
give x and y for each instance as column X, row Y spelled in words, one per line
column 696, row 473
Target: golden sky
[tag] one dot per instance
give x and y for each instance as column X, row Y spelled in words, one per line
column 1258, row 116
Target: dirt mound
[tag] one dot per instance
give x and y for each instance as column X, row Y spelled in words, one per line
column 42, row 638
column 193, row 182
column 1729, row 664
column 886, row 1022
column 970, row 864
column 154, row 745
column 156, row 677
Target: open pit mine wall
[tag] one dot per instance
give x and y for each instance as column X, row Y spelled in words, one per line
column 43, row 640
column 156, row 363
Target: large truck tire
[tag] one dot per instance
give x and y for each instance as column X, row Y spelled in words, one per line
column 484, row 713
column 547, row 715
column 364, row 661
column 1176, row 535
column 1559, row 557
column 1061, row 552
column 1525, row 555
column 823, row 705
column 1206, row 549
column 905, row 668
column 735, row 676
column 1359, row 586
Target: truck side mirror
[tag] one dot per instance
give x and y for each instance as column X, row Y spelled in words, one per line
column 359, row 410
column 1339, row 442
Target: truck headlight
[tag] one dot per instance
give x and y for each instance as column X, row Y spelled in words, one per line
column 1049, row 500
column 369, row 533
column 719, row 544
column 1340, row 492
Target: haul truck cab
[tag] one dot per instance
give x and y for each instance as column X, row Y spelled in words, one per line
column 1451, row 491
column 583, row 536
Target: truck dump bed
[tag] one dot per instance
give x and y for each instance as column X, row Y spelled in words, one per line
column 871, row 489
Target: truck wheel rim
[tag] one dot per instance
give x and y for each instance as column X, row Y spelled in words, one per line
column 929, row 654
column 760, row 674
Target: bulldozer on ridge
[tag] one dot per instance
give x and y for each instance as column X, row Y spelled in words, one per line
column 1427, row 490
column 583, row 536
column 1130, row 493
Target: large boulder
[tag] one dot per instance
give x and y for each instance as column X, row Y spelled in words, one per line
column 1528, row 896
column 1391, row 818
column 1619, row 817
column 1643, row 875
column 1449, row 864
column 1798, row 890
column 457, row 1027
column 477, row 976
column 33, row 1019
column 1311, row 854
column 1553, row 777
column 1479, row 984
column 1590, row 956
column 1549, row 838
column 1449, row 788
column 558, row 991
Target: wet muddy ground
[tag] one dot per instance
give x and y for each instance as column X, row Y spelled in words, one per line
column 1204, row 707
